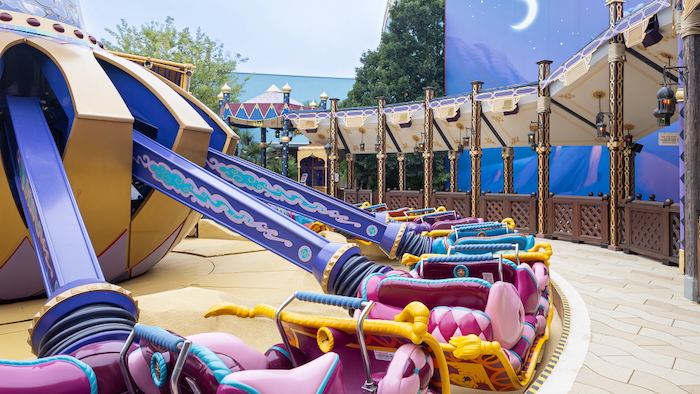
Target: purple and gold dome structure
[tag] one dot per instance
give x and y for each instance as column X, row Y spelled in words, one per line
column 91, row 96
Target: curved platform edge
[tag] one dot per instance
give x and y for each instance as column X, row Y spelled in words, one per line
column 565, row 364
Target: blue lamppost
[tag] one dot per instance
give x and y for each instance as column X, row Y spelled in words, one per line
column 285, row 131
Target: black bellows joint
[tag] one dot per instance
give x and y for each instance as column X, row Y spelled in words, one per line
column 83, row 322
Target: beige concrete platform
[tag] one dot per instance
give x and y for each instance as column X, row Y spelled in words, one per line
column 644, row 336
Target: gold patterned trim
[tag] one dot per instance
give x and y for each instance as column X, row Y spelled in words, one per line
column 331, row 263
column 399, row 236
column 89, row 288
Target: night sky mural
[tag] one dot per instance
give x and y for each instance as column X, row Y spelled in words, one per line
column 499, row 42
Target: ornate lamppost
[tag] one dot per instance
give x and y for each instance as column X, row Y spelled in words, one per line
column 286, row 126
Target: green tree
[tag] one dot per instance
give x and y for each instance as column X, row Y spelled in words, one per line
column 248, row 148
column 274, row 163
column 410, row 57
column 214, row 65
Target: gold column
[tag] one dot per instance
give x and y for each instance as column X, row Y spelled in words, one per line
column 351, row 170
column 475, row 148
column 628, row 188
column 401, row 157
column 381, row 154
column 333, row 157
column 616, row 67
column 453, row 156
column 543, row 147
column 428, row 153
column 507, row 154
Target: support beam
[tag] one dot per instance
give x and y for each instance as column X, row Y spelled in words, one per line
column 351, row 170
column 401, row 157
column 507, row 154
column 333, row 157
column 629, row 156
column 691, row 59
column 263, row 147
column 428, row 154
column 475, row 148
column 381, row 153
column 616, row 67
column 544, row 148
column 453, row 156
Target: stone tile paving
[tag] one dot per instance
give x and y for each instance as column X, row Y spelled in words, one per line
column 645, row 336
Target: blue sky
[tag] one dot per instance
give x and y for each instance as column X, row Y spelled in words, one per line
column 301, row 37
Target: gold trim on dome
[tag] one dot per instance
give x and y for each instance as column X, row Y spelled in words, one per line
column 56, row 300
column 331, row 263
column 399, row 236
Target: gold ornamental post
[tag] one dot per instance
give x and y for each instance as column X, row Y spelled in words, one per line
column 381, row 151
column 616, row 68
column 453, row 156
column 475, row 148
column 350, row 157
column 507, row 154
column 543, row 146
column 401, row 157
column 333, row 157
column 428, row 153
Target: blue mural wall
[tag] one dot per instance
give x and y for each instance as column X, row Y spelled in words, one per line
column 499, row 43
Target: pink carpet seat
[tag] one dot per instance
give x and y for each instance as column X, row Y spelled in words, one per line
column 499, row 301
column 521, row 276
column 448, row 224
column 322, row 375
column 56, row 374
column 433, row 218
column 409, row 372
column 447, row 322
column 486, row 270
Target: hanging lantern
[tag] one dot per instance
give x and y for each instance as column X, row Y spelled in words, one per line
column 362, row 146
column 666, row 106
column 600, row 126
column 531, row 140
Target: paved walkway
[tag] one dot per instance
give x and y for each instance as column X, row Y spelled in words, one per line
column 644, row 336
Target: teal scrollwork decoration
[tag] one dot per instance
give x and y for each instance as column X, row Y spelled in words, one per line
column 175, row 181
column 250, row 181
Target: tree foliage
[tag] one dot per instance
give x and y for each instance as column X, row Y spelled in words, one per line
column 214, row 65
column 410, row 57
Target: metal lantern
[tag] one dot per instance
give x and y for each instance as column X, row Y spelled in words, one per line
column 531, row 140
column 666, row 105
column 600, row 125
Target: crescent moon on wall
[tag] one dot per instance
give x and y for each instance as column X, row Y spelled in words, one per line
column 531, row 14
